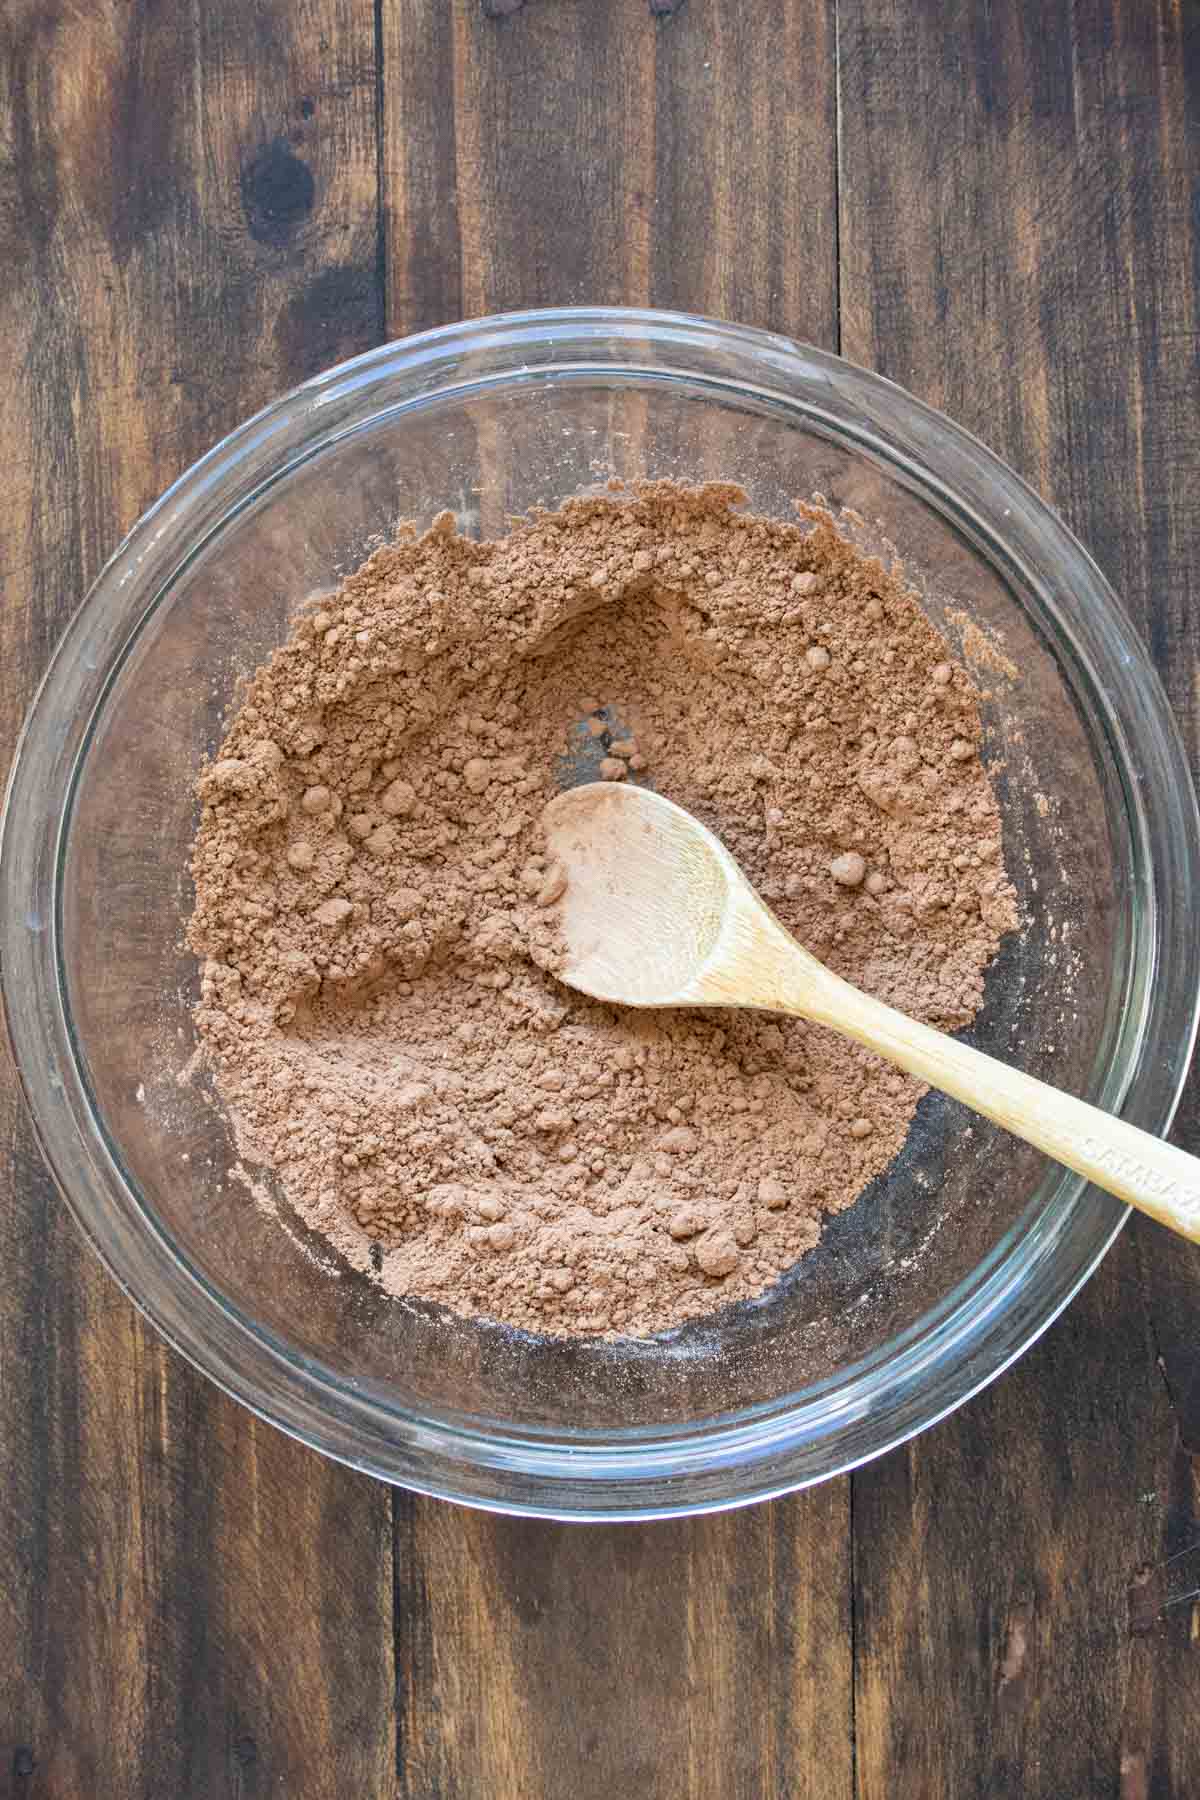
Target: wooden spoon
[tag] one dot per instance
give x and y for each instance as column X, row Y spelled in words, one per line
column 656, row 912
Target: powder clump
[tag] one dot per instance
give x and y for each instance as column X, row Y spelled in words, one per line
column 374, row 902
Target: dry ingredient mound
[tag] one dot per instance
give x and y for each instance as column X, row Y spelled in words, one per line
column 373, row 900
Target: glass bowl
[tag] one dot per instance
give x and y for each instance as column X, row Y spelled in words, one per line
column 944, row 1270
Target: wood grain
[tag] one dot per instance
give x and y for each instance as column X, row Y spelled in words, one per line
column 191, row 198
column 745, row 135
column 190, row 1605
column 1018, row 237
column 699, row 1660
column 532, row 184
column 993, row 1650
column 597, row 155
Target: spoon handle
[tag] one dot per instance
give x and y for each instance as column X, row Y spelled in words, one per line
column 1140, row 1169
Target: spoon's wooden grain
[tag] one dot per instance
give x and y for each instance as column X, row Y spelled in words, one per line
column 657, row 913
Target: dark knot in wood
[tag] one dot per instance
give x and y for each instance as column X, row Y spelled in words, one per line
column 278, row 192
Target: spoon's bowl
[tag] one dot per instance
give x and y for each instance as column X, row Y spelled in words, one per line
column 944, row 1270
column 647, row 894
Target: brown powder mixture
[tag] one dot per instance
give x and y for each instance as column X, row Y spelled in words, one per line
column 372, row 895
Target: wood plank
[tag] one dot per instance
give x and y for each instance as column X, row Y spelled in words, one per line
column 1018, row 243
column 993, row 1564
column 593, row 155
column 547, row 172
column 687, row 1660
column 598, row 154
column 745, row 203
column 191, row 1604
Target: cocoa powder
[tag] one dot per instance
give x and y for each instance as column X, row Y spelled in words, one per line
column 373, row 900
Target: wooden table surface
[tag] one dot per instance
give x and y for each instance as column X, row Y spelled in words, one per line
column 204, row 201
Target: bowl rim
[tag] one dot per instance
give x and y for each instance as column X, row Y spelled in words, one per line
column 760, row 1452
